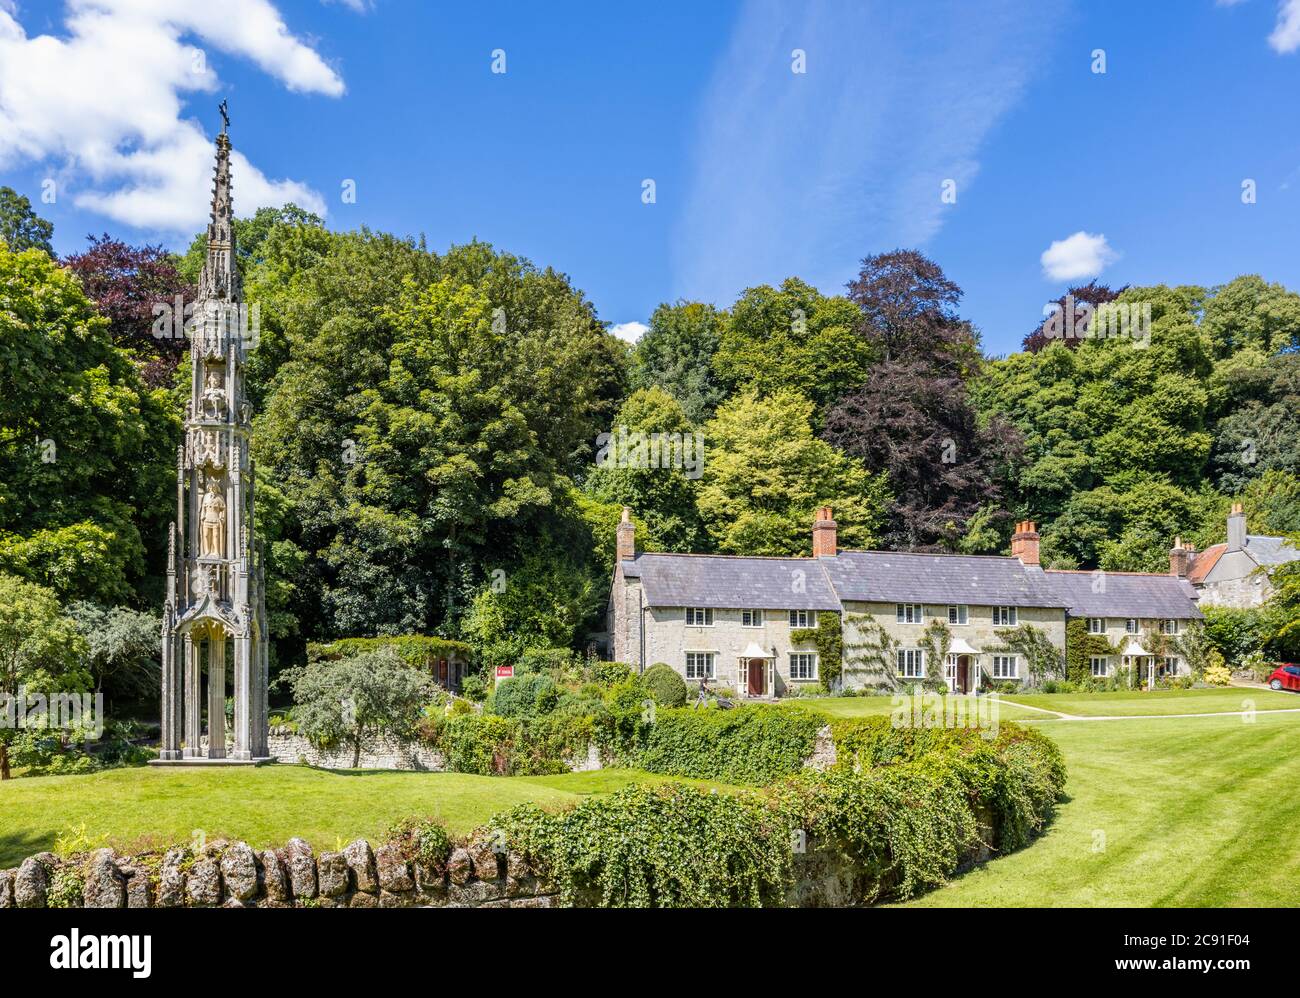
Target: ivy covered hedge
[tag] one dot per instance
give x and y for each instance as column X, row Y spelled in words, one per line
column 753, row 744
column 900, row 815
column 1018, row 774
column 668, row 847
column 415, row 649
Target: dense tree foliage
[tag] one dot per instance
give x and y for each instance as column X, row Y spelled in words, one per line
column 87, row 455
column 444, row 441
column 20, row 227
column 676, row 355
column 1126, row 437
column 793, row 337
column 911, row 418
column 41, row 652
column 660, row 486
column 766, row 475
column 429, row 422
column 129, row 286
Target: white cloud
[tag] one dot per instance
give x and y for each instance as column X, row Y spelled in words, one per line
column 1077, row 256
column 1286, row 36
column 807, row 173
column 104, row 103
column 629, row 331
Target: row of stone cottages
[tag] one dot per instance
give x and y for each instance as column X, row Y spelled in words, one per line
column 733, row 619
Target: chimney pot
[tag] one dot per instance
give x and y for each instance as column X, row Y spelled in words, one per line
column 626, row 546
column 823, row 535
column 1236, row 528
column 1180, row 559
column 1024, row 543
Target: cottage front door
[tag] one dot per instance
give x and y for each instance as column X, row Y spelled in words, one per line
column 755, row 677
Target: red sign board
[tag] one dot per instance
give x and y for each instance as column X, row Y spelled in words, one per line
column 505, row 671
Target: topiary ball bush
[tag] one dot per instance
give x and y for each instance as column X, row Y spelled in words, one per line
column 666, row 686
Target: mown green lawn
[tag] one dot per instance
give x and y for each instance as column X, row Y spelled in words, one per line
column 1127, row 703
column 140, row 808
column 878, row 706
column 1177, row 812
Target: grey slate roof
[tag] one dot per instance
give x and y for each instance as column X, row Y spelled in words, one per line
column 1270, row 551
column 906, row 577
column 1123, row 594
column 724, row 582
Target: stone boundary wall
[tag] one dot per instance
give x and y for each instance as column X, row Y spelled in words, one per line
column 234, row 875
column 288, row 746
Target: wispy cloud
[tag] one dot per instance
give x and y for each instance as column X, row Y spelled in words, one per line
column 103, row 102
column 1286, row 36
column 1074, row 257
column 806, row 173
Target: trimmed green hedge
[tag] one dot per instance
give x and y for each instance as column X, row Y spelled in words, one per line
column 414, row 649
column 751, row 744
column 506, row 746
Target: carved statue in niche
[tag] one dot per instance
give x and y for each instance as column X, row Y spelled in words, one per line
column 212, row 518
column 205, row 448
column 213, row 400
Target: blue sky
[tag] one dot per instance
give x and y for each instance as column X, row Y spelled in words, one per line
column 760, row 173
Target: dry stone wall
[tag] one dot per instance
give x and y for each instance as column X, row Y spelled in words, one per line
column 234, row 875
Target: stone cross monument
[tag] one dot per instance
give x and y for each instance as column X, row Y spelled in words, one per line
column 215, row 612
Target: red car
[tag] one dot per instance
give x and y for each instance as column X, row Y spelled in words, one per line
column 1285, row 677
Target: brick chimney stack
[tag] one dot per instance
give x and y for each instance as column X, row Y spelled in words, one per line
column 1236, row 528
column 1180, row 559
column 1024, row 543
column 823, row 534
column 626, row 550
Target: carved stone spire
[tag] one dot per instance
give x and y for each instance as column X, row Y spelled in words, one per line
column 220, row 279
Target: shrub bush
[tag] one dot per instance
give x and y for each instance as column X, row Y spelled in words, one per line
column 525, row 696
column 750, row 744
column 665, row 685
column 422, row 840
column 662, row 847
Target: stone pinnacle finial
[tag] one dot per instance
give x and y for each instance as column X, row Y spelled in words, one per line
column 220, row 279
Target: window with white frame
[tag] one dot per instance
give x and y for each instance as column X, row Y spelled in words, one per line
column 701, row 664
column 1169, row 667
column 1096, row 625
column 1131, row 625
column 958, row 613
column 803, row 665
column 1004, row 616
column 1168, row 627
column 910, row 613
column 911, row 663
column 699, row 616
column 1005, row 666
column 751, row 618
column 1100, row 665
column 803, row 619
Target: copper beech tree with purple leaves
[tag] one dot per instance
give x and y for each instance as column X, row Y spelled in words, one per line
column 914, row 419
